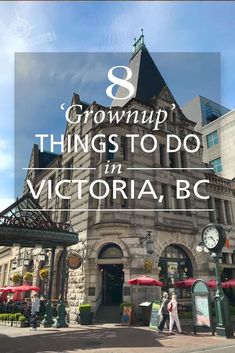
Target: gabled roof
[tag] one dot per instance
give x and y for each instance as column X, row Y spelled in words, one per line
column 146, row 77
column 45, row 158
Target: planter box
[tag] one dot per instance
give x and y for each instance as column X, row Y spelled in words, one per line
column 8, row 323
column 2, row 322
column 86, row 318
column 20, row 323
column 14, row 323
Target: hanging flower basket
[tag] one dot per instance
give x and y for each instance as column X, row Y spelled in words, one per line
column 28, row 277
column 43, row 273
column 16, row 277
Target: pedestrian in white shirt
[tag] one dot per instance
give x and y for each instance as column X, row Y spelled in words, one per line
column 173, row 312
column 34, row 310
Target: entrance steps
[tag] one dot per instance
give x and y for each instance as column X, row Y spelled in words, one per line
column 108, row 314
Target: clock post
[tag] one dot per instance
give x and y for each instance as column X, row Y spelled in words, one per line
column 214, row 237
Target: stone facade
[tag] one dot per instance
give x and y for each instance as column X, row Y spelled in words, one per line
column 120, row 221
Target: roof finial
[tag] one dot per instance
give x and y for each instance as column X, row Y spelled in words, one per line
column 142, row 36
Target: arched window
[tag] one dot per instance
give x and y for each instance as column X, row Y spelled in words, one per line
column 174, row 265
column 110, row 251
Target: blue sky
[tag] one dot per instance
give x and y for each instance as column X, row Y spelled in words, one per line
column 106, row 26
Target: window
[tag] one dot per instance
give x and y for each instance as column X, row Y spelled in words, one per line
column 123, row 148
column 109, row 198
column 69, row 170
column 174, row 265
column 172, row 159
column 65, row 214
column 217, row 165
column 165, row 198
column 183, row 157
column 71, row 143
column 124, row 202
column 162, row 155
column 211, row 213
column 227, row 206
column 187, row 203
column 212, row 139
column 109, row 149
column 52, row 178
column 175, row 203
column 218, row 211
column 110, row 251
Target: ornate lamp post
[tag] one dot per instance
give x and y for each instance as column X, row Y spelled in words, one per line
column 48, row 317
column 214, row 237
column 61, row 313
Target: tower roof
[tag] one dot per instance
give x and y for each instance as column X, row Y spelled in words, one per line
column 146, row 78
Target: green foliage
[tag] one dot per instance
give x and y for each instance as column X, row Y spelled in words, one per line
column 43, row 273
column 22, row 318
column 28, row 276
column 16, row 277
column 185, row 315
column 84, row 307
column 10, row 317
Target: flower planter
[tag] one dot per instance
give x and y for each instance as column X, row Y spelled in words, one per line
column 14, row 323
column 86, row 318
column 8, row 323
column 20, row 323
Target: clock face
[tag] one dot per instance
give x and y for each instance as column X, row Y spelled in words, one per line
column 211, row 237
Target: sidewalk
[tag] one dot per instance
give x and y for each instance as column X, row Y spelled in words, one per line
column 108, row 338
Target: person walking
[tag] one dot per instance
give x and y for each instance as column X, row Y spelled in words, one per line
column 34, row 310
column 173, row 312
column 164, row 311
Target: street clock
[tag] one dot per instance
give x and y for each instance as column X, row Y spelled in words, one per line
column 214, row 237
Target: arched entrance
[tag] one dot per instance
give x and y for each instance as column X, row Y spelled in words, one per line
column 174, row 265
column 111, row 267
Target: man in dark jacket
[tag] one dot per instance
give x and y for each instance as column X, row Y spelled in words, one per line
column 164, row 311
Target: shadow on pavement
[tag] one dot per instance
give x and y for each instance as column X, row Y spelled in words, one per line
column 62, row 341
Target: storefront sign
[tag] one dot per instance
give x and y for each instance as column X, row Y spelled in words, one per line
column 154, row 319
column 201, row 305
column 202, row 317
column 74, row 260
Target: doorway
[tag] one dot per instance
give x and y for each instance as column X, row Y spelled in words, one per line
column 112, row 284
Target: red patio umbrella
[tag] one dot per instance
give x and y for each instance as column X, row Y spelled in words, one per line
column 3, row 296
column 229, row 284
column 185, row 283
column 212, row 283
column 145, row 281
column 6, row 289
column 17, row 296
column 26, row 287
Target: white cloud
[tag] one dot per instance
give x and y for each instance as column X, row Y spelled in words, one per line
column 6, row 157
column 4, row 203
